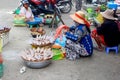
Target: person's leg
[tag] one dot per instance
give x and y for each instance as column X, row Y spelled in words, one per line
column 99, row 40
column 98, row 43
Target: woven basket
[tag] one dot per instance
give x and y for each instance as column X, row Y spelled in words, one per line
column 49, row 45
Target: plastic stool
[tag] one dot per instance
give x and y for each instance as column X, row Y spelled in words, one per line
column 112, row 48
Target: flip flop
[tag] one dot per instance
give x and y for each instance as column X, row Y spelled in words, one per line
column 98, row 48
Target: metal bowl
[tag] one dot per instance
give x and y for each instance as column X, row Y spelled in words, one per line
column 37, row 65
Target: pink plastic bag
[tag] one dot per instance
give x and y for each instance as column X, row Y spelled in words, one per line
column 59, row 30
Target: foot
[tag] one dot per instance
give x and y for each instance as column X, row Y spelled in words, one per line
column 99, row 48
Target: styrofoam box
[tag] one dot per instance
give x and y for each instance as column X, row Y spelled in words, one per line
column 5, row 38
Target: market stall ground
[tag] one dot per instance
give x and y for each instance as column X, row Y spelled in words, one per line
column 98, row 67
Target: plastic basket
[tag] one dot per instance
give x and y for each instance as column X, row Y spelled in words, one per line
column 5, row 39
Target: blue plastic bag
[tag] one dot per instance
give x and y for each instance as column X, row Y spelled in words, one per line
column 61, row 42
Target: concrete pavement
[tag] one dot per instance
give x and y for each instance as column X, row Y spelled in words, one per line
column 98, row 67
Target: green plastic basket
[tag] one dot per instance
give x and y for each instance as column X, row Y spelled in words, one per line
column 19, row 22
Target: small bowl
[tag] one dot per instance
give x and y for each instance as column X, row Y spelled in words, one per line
column 34, row 36
column 37, row 65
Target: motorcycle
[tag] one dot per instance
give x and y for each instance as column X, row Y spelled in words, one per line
column 100, row 1
column 40, row 6
column 49, row 6
column 64, row 6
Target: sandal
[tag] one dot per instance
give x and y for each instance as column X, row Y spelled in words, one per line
column 99, row 49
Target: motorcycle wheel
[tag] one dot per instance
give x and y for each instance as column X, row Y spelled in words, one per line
column 66, row 7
